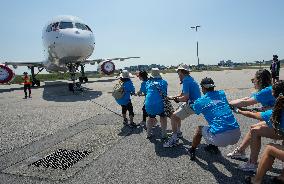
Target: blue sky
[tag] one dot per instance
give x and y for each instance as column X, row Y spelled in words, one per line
column 157, row 30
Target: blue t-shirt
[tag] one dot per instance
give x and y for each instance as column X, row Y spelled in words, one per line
column 266, row 115
column 191, row 88
column 153, row 102
column 265, row 97
column 215, row 108
column 143, row 87
column 128, row 89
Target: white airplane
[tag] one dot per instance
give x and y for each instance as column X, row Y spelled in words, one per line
column 68, row 43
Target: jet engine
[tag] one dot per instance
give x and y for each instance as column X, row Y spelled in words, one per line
column 6, row 74
column 106, row 67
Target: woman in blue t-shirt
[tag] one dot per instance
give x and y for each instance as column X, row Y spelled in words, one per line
column 264, row 128
column 154, row 103
column 125, row 101
column 272, row 151
column 262, row 83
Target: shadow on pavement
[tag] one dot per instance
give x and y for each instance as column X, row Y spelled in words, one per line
column 61, row 93
column 127, row 131
column 174, row 152
column 235, row 175
column 104, row 80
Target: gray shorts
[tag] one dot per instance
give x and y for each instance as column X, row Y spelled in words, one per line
column 223, row 139
column 184, row 111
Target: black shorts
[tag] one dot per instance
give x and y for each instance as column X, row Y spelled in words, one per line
column 128, row 107
column 161, row 115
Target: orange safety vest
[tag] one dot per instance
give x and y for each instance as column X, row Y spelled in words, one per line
column 27, row 80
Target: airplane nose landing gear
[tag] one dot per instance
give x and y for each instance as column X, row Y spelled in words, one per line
column 76, row 86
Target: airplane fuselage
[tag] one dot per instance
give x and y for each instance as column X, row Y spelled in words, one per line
column 66, row 40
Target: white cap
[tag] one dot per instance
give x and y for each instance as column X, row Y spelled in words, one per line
column 183, row 67
column 155, row 73
column 125, row 74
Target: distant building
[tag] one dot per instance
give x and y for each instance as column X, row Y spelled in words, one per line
column 144, row 67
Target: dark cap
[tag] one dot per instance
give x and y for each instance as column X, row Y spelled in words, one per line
column 207, row 83
column 25, row 73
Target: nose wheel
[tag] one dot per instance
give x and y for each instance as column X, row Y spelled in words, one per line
column 76, row 86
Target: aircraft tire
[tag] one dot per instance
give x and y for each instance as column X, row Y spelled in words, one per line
column 71, row 87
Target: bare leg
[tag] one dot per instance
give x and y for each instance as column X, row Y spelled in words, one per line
column 124, row 116
column 271, row 152
column 175, row 121
column 246, row 141
column 131, row 118
column 197, row 137
column 150, row 125
column 256, row 134
column 163, row 121
column 178, row 126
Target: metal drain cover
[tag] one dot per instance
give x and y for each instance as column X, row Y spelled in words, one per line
column 61, row 159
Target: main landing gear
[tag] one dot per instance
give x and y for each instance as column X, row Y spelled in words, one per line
column 34, row 80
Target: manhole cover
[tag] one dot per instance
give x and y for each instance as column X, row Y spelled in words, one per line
column 61, row 159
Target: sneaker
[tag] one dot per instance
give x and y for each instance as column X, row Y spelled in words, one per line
column 25, row 97
column 125, row 121
column 149, row 136
column 212, row 149
column 236, row 154
column 164, row 138
column 171, row 143
column 248, row 167
column 143, row 124
column 132, row 124
column 179, row 135
column 191, row 153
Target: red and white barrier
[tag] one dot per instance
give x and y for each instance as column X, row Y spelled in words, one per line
column 6, row 74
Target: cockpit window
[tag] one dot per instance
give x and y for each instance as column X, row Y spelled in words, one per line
column 65, row 25
column 52, row 27
column 81, row 26
column 88, row 28
column 49, row 28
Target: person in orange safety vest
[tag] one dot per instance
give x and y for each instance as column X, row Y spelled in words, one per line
column 27, row 85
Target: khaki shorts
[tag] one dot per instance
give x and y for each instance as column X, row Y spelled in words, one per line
column 223, row 139
column 184, row 111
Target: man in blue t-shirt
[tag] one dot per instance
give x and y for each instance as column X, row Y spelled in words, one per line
column 190, row 92
column 223, row 129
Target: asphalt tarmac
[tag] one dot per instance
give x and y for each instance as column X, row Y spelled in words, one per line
column 55, row 119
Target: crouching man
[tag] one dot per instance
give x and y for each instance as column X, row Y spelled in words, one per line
column 223, row 129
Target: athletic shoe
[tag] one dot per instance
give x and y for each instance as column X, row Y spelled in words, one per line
column 149, row 136
column 179, row 135
column 125, row 121
column 143, row 124
column 171, row 143
column 164, row 138
column 236, row 154
column 248, row 167
column 132, row 125
column 212, row 149
column 191, row 153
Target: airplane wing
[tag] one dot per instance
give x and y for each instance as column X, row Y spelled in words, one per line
column 92, row 62
column 29, row 64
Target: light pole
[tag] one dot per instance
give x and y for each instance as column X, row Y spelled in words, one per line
column 196, row 28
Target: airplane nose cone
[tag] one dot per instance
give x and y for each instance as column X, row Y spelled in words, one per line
column 75, row 43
